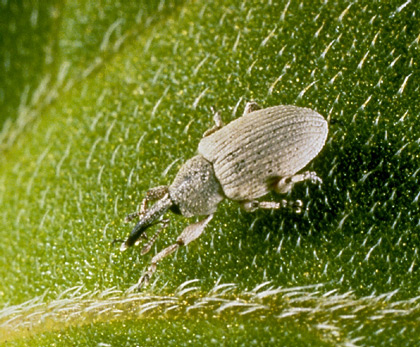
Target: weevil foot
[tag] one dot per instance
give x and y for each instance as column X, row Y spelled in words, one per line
column 250, row 107
column 145, row 279
column 253, row 205
column 314, row 178
column 285, row 184
column 218, row 123
column 295, row 206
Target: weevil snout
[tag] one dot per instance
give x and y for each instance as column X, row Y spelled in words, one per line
column 149, row 218
column 136, row 233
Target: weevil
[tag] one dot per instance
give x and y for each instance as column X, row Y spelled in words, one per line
column 260, row 152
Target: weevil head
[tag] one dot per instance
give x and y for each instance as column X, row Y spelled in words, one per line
column 148, row 219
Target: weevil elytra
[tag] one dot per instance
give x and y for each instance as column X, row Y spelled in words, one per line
column 244, row 160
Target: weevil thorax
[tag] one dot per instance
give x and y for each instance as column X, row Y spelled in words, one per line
column 195, row 190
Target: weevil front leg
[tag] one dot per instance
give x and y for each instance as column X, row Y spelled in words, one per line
column 253, row 205
column 285, row 184
column 146, row 248
column 151, row 195
column 190, row 233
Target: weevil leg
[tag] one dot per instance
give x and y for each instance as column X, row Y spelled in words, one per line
column 190, row 233
column 218, row 123
column 250, row 106
column 146, row 248
column 151, row 195
column 285, row 184
column 253, row 205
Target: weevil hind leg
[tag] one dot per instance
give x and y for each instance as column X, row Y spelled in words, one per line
column 253, row 205
column 250, row 107
column 285, row 184
column 190, row 233
column 151, row 195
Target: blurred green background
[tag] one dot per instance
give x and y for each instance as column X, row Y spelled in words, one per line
column 102, row 100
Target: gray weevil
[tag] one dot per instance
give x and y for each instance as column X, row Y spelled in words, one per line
column 242, row 161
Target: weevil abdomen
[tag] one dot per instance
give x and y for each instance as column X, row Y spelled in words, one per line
column 252, row 152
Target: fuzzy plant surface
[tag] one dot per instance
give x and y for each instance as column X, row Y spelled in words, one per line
column 102, row 101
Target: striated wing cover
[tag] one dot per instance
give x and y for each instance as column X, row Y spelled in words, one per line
column 252, row 152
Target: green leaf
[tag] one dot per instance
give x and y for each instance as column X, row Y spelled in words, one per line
column 122, row 101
